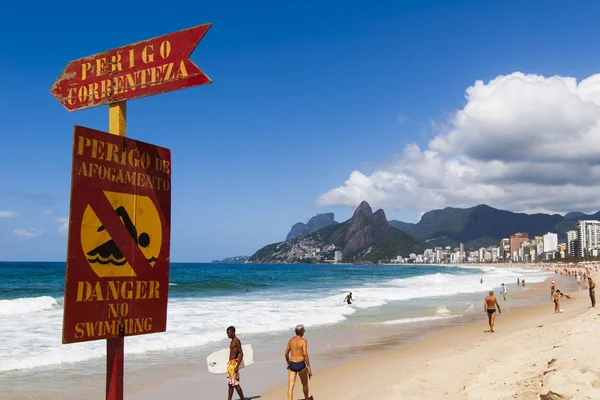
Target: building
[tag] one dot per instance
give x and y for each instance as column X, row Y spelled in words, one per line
column 337, row 256
column 516, row 239
column 588, row 236
column 504, row 249
column 550, row 241
column 572, row 244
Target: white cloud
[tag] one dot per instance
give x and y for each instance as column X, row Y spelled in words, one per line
column 63, row 227
column 8, row 214
column 521, row 142
column 27, row 233
column 47, row 212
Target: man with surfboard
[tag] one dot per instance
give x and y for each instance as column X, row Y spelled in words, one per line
column 298, row 363
column 236, row 355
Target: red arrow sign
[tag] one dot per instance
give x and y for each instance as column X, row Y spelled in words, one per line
column 142, row 69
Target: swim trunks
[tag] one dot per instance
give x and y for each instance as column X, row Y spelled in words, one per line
column 491, row 310
column 297, row 366
column 233, row 378
column 592, row 292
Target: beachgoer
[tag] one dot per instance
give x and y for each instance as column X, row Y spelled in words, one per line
column 552, row 289
column 518, row 282
column 348, row 299
column 592, row 287
column 298, row 363
column 489, row 306
column 481, row 280
column 504, row 291
column 522, row 282
column 578, row 280
column 568, row 296
column 556, row 296
column 236, row 355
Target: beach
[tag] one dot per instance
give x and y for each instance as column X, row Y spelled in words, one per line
column 412, row 331
column 534, row 353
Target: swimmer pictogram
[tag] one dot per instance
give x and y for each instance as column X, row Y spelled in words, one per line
column 140, row 218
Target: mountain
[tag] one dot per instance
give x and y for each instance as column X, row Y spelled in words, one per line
column 403, row 226
column 483, row 225
column 576, row 216
column 366, row 237
column 232, row 260
column 314, row 224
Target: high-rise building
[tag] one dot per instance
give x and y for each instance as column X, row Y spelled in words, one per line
column 572, row 245
column 462, row 253
column 516, row 239
column 550, row 241
column 588, row 236
column 338, row 256
column 505, row 249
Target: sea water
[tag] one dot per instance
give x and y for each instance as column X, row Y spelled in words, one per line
column 260, row 300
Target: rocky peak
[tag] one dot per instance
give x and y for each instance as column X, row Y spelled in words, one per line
column 363, row 210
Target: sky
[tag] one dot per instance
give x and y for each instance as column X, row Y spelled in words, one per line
column 314, row 107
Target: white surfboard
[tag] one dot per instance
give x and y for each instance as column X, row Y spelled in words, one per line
column 217, row 361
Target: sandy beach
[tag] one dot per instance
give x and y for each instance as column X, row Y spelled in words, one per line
column 534, row 354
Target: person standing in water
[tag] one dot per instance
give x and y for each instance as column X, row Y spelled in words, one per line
column 489, row 306
column 298, row 363
column 348, row 299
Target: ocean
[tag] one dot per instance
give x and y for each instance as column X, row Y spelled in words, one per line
column 262, row 301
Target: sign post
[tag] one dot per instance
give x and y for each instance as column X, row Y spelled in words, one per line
column 115, row 347
column 118, row 254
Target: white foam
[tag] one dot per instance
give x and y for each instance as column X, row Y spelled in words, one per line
column 31, row 327
column 27, row 305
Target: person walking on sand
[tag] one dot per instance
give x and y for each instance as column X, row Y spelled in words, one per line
column 298, row 363
column 489, row 306
column 556, row 296
column 592, row 287
column 578, row 281
column 552, row 289
column 504, row 291
column 236, row 355
column 348, row 299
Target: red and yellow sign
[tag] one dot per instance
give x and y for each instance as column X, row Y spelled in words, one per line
column 119, row 238
column 142, row 69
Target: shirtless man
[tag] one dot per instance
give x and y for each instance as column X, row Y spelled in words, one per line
column 489, row 306
column 236, row 355
column 592, row 287
column 348, row 299
column 552, row 288
column 298, row 363
column 556, row 296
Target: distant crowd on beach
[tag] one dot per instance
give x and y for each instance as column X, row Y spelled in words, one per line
column 581, row 272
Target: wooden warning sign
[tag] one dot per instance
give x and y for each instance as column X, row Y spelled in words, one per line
column 117, row 276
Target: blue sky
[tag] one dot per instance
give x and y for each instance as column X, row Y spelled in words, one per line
column 302, row 95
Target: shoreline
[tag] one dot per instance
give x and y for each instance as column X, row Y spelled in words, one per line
column 465, row 362
column 183, row 374
column 358, row 345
